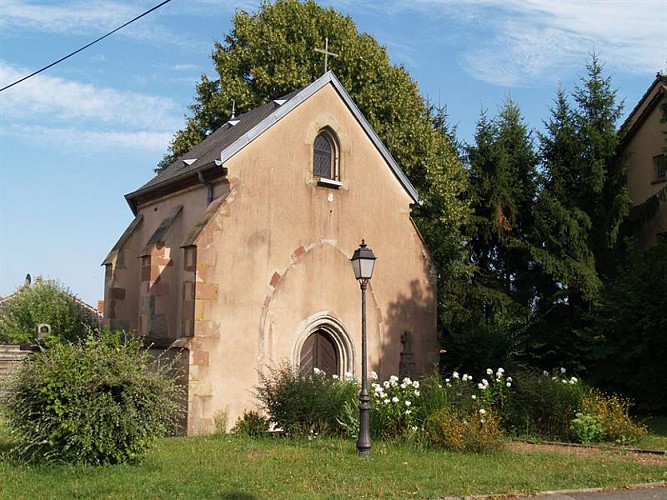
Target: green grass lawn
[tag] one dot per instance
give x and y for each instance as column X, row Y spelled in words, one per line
column 238, row 467
column 657, row 438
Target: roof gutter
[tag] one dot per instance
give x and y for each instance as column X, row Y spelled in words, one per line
column 209, row 187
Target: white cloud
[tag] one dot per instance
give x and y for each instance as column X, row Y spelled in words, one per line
column 139, row 140
column 515, row 42
column 68, row 101
column 84, row 113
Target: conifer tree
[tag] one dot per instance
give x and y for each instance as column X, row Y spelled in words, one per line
column 578, row 214
column 503, row 183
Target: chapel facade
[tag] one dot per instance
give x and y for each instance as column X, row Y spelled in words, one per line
column 238, row 255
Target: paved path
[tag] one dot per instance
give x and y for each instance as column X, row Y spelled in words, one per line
column 653, row 491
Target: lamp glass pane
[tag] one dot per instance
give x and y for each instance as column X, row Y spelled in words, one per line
column 356, row 267
column 367, row 267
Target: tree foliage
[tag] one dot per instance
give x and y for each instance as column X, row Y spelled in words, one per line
column 579, row 212
column 503, row 186
column 629, row 325
column 46, row 301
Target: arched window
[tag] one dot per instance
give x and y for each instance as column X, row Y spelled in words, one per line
column 325, row 156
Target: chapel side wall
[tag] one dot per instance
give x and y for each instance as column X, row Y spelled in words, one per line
column 648, row 141
column 121, row 285
column 162, row 267
column 279, row 227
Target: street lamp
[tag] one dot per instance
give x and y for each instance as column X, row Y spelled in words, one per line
column 363, row 261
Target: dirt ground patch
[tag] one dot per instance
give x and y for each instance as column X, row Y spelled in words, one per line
column 620, row 454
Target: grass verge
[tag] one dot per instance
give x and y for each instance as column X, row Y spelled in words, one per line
column 239, row 467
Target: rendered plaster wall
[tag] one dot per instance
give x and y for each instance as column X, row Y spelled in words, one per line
column 647, row 142
column 274, row 261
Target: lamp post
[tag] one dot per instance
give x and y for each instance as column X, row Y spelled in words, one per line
column 363, row 261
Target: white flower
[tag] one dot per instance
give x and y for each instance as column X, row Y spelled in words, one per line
column 465, row 377
column 417, row 393
column 374, row 375
column 482, row 411
column 489, row 371
column 335, row 377
column 564, row 381
column 393, row 378
column 562, row 370
column 407, row 381
column 501, row 370
column 473, row 396
column 509, row 379
column 386, row 401
column 394, row 399
column 481, row 387
column 574, row 380
column 509, row 384
column 403, row 386
column 415, row 428
column 317, row 371
column 348, row 375
column 408, row 403
column 415, row 384
column 447, row 381
column 499, row 375
column 407, row 412
column 545, row 373
column 455, row 375
column 485, row 382
column 386, row 384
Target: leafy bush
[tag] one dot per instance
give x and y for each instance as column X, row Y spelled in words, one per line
column 478, row 431
column 544, row 404
column 46, row 301
column 302, row 405
column 98, row 401
column 587, row 428
column 251, row 424
column 614, row 415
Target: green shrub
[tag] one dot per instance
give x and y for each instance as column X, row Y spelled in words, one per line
column 545, row 404
column 303, row 405
column 98, row 401
column 587, row 428
column 251, row 424
column 46, row 301
column 478, row 431
column 614, row 415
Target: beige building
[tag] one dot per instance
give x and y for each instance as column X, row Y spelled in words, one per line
column 239, row 251
column 643, row 139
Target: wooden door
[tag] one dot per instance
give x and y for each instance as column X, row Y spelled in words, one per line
column 319, row 351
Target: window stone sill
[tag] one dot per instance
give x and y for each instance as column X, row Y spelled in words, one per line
column 330, row 183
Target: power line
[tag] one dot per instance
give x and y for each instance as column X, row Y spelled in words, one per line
column 85, row 46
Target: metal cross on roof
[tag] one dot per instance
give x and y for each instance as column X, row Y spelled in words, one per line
column 326, row 53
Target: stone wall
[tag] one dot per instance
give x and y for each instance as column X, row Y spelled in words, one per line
column 10, row 358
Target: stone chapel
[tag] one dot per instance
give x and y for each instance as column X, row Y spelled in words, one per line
column 238, row 257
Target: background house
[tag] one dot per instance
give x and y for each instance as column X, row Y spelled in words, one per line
column 643, row 141
column 239, row 253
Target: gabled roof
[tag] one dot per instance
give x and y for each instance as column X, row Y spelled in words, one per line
column 643, row 108
column 225, row 142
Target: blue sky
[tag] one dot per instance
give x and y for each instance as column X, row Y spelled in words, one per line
column 76, row 138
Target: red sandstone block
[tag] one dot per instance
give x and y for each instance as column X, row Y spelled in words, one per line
column 159, row 288
column 117, row 293
column 206, row 256
column 275, row 279
column 206, row 291
column 298, row 252
column 200, row 358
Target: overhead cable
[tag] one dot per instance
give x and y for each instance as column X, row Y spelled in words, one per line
column 85, row 46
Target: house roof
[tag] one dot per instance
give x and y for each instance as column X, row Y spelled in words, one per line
column 225, row 142
column 643, row 108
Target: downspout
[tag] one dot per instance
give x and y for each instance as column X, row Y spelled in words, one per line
column 209, row 187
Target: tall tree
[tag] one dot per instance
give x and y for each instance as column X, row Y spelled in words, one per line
column 271, row 53
column 503, row 183
column 578, row 214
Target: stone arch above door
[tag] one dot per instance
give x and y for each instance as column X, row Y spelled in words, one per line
column 333, row 331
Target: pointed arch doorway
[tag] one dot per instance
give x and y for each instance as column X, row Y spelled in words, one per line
column 323, row 343
column 319, row 351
